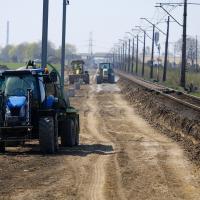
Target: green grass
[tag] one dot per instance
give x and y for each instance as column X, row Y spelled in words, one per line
column 12, row 65
column 173, row 78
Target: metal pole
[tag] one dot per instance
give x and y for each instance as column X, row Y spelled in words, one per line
column 120, row 57
column 113, row 59
column 125, row 60
column 137, row 51
column 197, row 54
column 65, row 3
column 119, row 51
column 144, row 52
column 166, row 52
column 123, row 64
column 8, row 33
column 133, row 54
column 129, row 55
column 122, row 54
column 45, row 32
column 152, row 53
column 183, row 68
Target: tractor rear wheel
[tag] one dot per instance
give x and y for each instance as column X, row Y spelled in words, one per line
column 98, row 79
column 2, row 147
column 112, row 79
column 56, row 144
column 76, row 132
column 47, row 135
column 68, row 136
column 87, row 80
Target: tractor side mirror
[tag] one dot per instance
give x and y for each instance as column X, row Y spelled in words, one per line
column 53, row 76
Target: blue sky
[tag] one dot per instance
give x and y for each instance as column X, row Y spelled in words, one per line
column 107, row 19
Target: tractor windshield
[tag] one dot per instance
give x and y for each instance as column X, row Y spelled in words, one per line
column 18, row 86
column 78, row 68
column 105, row 65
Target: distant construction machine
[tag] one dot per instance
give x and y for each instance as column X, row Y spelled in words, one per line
column 78, row 72
column 105, row 73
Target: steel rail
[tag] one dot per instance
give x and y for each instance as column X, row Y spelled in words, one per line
column 162, row 90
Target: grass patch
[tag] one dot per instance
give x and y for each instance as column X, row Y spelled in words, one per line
column 11, row 65
column 173, row 78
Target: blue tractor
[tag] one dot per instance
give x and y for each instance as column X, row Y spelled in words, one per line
column 105, row 73
column 33, row 106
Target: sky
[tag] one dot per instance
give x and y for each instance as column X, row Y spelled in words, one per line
column 108, row 20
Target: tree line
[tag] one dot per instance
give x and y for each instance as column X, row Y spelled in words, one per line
column 31, row 51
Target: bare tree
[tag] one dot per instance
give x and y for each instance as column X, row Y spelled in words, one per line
column 192, row 51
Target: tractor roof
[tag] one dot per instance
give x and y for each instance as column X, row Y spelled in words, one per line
column 23, row 71
column 77, row 62
column 104, row 63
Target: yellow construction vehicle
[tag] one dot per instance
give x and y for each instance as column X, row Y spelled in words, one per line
column 78, row 73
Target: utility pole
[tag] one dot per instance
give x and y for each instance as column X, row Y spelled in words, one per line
column 65, row 3
column 125, row 60
column 45, row 32
column 166, row 52
column 153, row 43
column 131, row 62
column 113, row 58
column 183, row 68
column 123, row 63
column 152, row 53
column 144, row 47
column 91, row 45
column 137, row 52
column 121, row 56
column 8, row 33
column 129, row 55
column 144, row 52
column 133, row 54
column 197, row 54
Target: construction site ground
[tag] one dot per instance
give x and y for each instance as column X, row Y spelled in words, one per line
column 121, row 156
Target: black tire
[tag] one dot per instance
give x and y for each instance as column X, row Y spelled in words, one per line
column 46, row 135
column 68, row 136
column 112, row 79
column 77, row 130
column 2, row 144
column 88, row 80
column 56, row 144
column 2, row 147
column 98, row 79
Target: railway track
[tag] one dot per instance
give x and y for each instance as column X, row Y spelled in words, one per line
column 177, row 96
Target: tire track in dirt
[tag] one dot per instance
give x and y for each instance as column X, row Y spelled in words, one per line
column 96, row 188
column 175, row 179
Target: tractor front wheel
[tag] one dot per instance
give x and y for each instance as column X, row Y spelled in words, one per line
column 68, row 137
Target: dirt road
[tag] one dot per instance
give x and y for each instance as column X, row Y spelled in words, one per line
column 120, row 157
